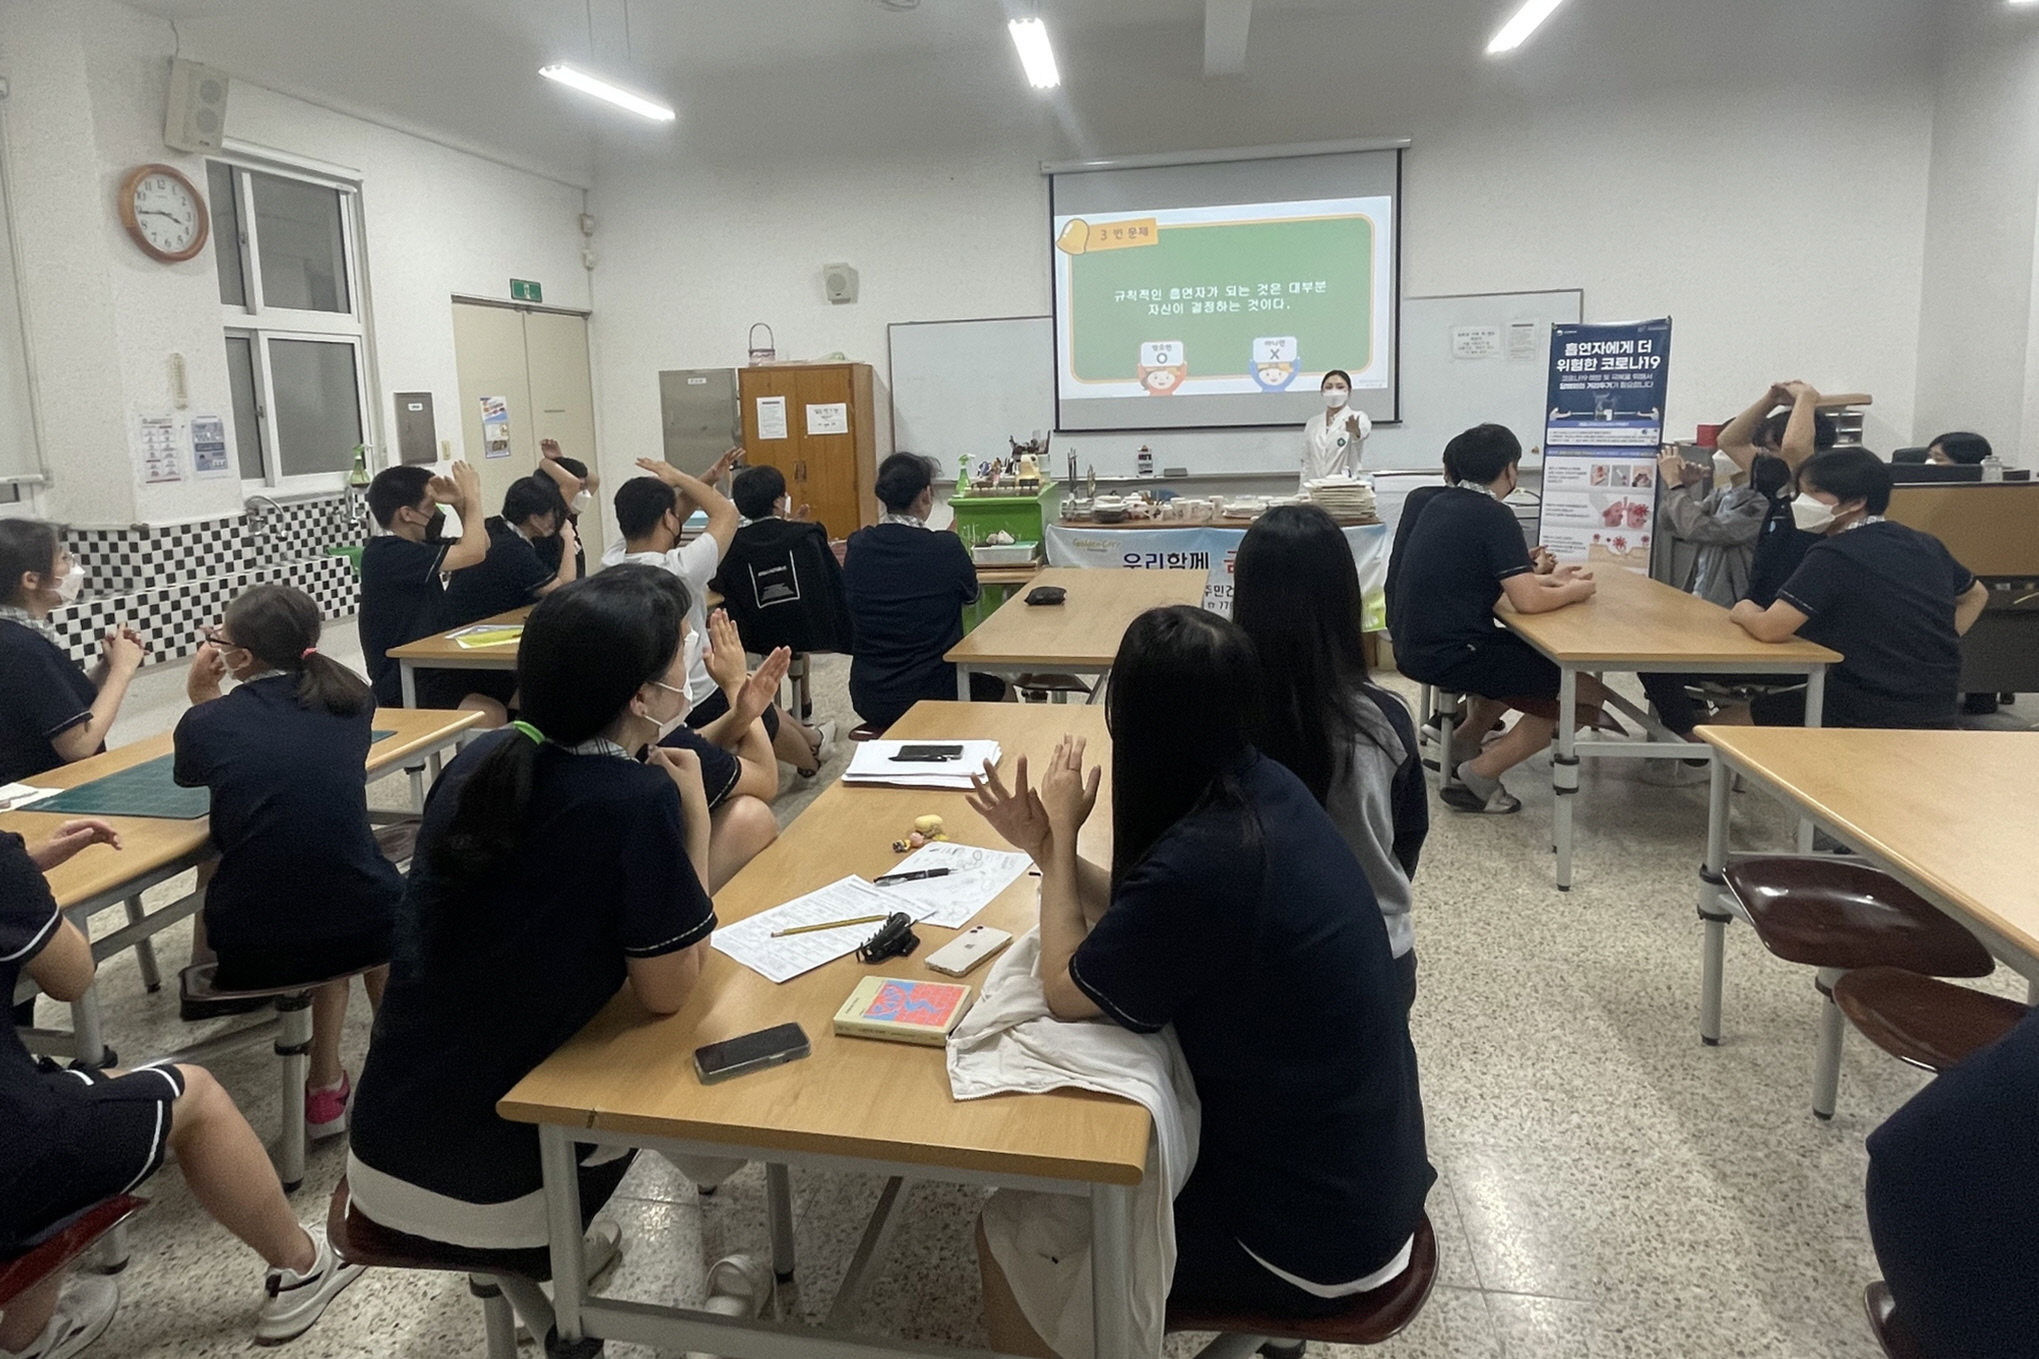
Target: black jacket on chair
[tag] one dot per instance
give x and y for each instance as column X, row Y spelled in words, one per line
column 782, row 586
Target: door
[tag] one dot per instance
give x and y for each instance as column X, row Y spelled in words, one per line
column 827, row 471
column 524, row 377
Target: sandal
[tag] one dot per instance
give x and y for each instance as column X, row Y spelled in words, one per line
column 823, row 747
column 738, row 1286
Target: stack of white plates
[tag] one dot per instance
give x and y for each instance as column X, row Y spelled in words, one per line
column 1345, row 497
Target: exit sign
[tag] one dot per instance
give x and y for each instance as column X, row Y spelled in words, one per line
column 524, row 290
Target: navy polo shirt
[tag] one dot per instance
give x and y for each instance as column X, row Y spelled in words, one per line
column 1449, row 579
column 1780, row 546
column 298, row 865
column 28, row 921
column 907, row 587
column 42, row 696
column 1255, row 933
column 402, row 600
column 509, row 577
column 1883, row 596
column 492, row 975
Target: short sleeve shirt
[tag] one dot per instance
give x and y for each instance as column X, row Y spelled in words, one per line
column 42, row 696
column 509, row 577
column 492, row 976
column 1266, row 951
column 298, row 864
column 694, row 562
column 1452, row 565
column 28, row 921
column 401, row 600
column 1883, row 596
column 1780, row 546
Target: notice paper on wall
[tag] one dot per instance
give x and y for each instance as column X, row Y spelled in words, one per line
column 1476, row 342
column 495, row 427
column 1605, row 425
column 1522, row 339
column 771, row 417
column 830, row 418
column 156, row 449
column 209, row 447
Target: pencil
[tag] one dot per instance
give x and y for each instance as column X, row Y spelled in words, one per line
column 830, row 925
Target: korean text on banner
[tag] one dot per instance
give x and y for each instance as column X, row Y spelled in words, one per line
column 1603, row 428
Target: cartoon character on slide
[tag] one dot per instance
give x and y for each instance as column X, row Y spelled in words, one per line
column 1274, row 377
column 1274, row 363
column 1163, row 366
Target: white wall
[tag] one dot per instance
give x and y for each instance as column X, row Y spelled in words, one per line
column 1979, row 322
column 1773, row 203
column 89, row 80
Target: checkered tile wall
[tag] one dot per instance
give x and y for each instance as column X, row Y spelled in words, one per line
column 172, row 580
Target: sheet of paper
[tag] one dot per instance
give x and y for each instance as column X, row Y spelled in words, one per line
column 157, row 451
column 771, row 417
column 16, row 795
column 872, row 762
column 750, row 941
column 209, row 456
column 830, row 418
column 976, row 877
column 1522, row 340
column 482, row 636
column 1475, row 342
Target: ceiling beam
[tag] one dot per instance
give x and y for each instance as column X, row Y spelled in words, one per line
column 1225, row 25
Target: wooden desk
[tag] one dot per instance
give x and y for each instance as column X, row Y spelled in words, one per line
column 154, row 850
column 440, row 652
column 1079, row 636
column 1633, row 623
column 1950, row 814
column 628, row 1078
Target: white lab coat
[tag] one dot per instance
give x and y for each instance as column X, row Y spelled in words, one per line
column 1329, row 450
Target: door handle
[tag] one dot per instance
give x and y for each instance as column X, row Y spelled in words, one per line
column 800, row 470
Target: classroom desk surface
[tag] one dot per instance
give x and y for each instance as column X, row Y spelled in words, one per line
column 631, row 1073
column 438, row 651
column 1634, row 622
column 148, row 843
column 1083, row 632
column 1949, row 813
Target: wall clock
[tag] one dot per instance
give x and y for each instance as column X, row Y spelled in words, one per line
column 164, row 212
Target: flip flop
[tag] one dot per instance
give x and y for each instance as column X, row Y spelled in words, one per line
column 738, row 1286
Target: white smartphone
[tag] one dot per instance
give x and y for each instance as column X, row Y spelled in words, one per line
column 968, row 950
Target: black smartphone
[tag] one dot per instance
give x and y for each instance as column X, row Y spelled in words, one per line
column 751, row 1052
column 927, row 754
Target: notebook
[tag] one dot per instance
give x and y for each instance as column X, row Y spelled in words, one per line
column 921, row 1012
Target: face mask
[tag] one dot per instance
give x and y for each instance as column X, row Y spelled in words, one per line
column 1724, row 469
column 1337, row 397
column 72, row 583
column 1811, row 515
column 581, row 501
column 435, row 525
column 667, row 726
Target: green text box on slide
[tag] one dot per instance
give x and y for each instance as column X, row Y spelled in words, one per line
column 1238, row 265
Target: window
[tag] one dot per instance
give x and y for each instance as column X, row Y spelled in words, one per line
column 289, row 290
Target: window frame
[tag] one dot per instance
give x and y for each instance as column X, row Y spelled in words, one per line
column 261, row 323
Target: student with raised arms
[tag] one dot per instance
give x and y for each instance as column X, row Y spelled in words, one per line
column 403, row 592
column 1234, row 910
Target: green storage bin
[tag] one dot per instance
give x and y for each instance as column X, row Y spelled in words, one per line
column 1023, row 516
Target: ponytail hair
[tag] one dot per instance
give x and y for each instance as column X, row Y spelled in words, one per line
column 588, row 647
column 279, row 625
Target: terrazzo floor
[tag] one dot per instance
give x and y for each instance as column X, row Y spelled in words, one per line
column 1607, row 1185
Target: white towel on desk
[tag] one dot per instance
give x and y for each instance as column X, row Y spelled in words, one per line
column 1009, row 1042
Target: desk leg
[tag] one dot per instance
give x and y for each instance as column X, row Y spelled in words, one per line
column 417, row 775
column 409, row 679
column 563, row 1222
column 962, row 685
column 1111, row 1258
column 145, row 950
column 1815, row 713
column 1713, row 920
column 90, row 1043
column 1564, row 772
column 779, row 1210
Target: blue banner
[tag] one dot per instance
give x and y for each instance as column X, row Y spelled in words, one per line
column 1602, row 430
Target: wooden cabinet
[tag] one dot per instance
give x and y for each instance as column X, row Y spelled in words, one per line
column 833, row 472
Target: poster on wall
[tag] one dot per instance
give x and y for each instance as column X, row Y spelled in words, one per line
column 156, row 450
column 209, row 447
column 1603, row 428
column 771, row 417
column 830, row 418
column 495, row 427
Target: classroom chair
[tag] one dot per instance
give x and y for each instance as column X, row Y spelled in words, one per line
column 1051, row 688
column 1929, row 1024
column 1836, row 915
column 1439, row 711
column 54, row 1250
column 506, row 1281
column 867, row 731
column 1891, row 1333
column 1369, row 1319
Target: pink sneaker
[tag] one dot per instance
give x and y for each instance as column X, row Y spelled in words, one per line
column 325, row 1111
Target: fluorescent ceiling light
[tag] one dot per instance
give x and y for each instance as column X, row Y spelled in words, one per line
column 602, row 89
column 1030, row 36
column 1527, row 20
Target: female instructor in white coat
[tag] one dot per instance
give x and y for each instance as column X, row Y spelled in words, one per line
column 1332, row 439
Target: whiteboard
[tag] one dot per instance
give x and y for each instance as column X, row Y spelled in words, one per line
column 963, row 387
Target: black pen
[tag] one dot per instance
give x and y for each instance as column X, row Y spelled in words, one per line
column 915, row 876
